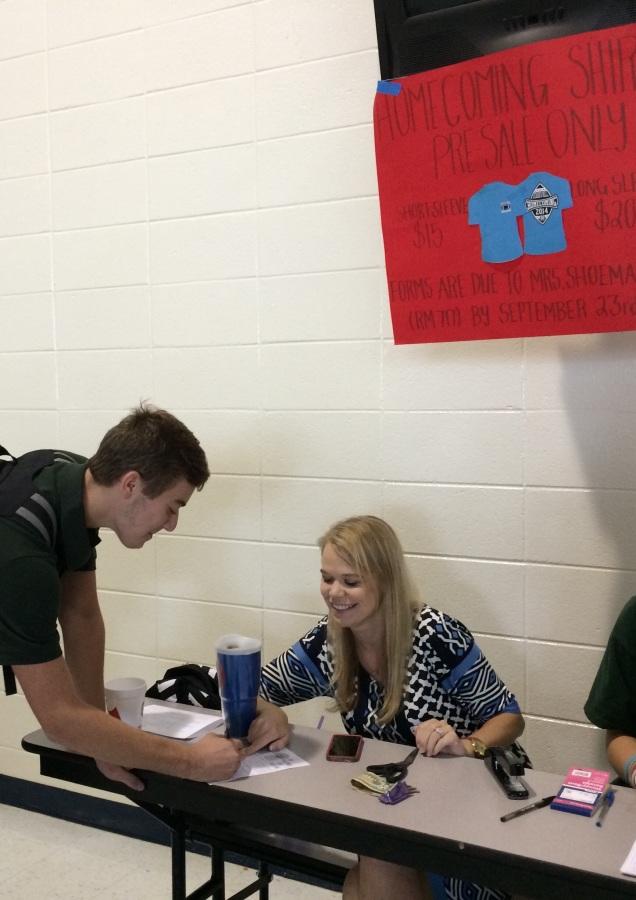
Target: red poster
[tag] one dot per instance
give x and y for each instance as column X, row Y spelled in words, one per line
column 508, row 192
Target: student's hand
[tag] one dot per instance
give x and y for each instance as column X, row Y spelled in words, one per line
column 118, row 773
column 269, row 729
column 434, row 737
column 213, row 758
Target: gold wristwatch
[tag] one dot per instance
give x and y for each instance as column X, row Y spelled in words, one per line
column 479, row 748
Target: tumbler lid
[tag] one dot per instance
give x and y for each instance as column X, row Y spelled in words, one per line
column 237, row 644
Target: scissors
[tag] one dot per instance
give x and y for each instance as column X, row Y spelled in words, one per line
column 394, row 772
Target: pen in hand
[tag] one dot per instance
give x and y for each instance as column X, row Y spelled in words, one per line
column 607, row 801
column 538, row 804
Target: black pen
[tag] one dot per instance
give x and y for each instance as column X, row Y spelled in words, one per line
column 607, row 801
column 538, row 804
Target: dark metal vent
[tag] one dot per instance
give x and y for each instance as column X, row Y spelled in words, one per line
column 530, row 20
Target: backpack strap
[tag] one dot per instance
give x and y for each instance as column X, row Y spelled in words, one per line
column 9, row 681
column 19, row 496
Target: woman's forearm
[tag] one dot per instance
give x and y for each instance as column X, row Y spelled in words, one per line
column 501, row 730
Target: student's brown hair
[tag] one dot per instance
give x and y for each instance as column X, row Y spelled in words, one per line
column 155, row 444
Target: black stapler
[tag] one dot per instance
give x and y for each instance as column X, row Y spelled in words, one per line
column 508, row 764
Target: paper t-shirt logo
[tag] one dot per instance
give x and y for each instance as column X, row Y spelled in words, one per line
column 541, row 203
column 545, row 196
column 538, row 201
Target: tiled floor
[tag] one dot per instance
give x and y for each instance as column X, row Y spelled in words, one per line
column 42, row 857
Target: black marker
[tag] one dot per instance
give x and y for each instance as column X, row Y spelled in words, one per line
column 539, row 804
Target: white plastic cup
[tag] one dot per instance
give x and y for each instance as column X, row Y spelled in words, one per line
column 125, row 699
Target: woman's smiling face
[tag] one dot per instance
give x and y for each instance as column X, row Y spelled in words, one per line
column 351, row 598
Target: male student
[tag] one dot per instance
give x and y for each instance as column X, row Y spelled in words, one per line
column 612, row 701
column 143, row 474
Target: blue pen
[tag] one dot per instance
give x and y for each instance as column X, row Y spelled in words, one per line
column 608, row 799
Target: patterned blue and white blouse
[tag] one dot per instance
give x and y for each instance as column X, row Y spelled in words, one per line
column 447, row 678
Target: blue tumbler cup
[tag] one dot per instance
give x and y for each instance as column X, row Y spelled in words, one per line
column 238, row 663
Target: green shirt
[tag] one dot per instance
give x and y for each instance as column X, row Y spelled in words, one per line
column 612, row 701
column 36, row 548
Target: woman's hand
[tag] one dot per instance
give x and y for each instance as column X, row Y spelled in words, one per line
column 269, row 729
column 434, row 737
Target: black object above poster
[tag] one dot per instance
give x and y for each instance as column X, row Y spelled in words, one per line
column 418, row 35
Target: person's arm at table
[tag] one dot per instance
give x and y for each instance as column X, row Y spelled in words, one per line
column 610, row 704
column 304, row 660
column 463, row 674
column 269, row 729
column 621, row 752
column 82, row 728
column 84, row 642
column 435, row 736
column 84, row 636
column 500, row 731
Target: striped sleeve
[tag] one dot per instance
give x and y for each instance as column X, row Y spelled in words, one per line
column 478, row 687
column 467, row 675
column 300, row 672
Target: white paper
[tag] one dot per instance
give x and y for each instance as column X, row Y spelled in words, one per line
column 578, row 795
column 175, row 723
column 629, row 866
column 266, row 761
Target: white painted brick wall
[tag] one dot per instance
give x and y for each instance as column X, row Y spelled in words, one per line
column 188, row 214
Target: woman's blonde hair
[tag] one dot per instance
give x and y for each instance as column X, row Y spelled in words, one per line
column 371, row 547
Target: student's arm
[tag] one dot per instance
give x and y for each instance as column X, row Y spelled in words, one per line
column 621, row 752
column 611, row 704
column 83, row 629
column 70, row 721
column 84, row 640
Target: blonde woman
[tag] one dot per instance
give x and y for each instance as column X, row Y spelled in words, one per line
column 398, row 671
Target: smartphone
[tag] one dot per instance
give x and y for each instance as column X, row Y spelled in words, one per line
column 345, row 748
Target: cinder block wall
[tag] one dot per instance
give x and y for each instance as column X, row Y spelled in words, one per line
column 188, row 214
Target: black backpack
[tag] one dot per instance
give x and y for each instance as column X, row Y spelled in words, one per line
column 16, row 477
column 16, row 487
column 191, row 684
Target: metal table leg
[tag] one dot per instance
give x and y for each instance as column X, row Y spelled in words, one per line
column 178, row 845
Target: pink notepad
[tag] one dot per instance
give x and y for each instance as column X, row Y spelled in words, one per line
column 581, row 791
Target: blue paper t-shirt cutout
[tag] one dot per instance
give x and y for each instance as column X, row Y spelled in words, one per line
column 544, row 196
column 495, row 208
